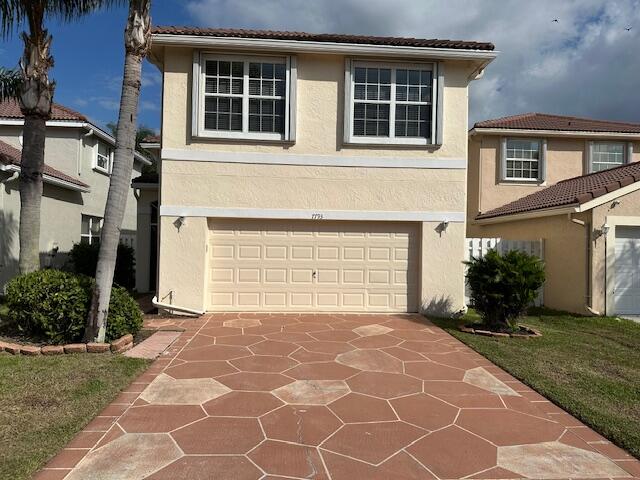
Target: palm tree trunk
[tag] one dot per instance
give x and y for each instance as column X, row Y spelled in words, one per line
column 137, row 42
column 36, row 94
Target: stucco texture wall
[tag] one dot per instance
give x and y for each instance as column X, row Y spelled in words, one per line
column 565, row 255
column 319, row 124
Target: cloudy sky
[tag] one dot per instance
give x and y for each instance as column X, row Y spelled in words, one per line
column 585, row 64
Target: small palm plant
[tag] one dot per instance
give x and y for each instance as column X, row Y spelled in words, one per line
column 502, row 287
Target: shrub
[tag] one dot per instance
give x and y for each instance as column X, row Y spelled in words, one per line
column 84, row 260
column 502, row 287
column 53, row 305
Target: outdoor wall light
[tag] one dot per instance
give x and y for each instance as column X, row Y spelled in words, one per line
column 605, row 229
column 180, row 222
column 445, row 225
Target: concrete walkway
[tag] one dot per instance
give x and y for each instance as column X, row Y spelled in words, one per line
column 248, row 396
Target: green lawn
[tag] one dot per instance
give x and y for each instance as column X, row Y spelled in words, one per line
column 45, row 401
column 588, row 366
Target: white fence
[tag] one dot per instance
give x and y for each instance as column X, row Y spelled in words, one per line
column 478, row 247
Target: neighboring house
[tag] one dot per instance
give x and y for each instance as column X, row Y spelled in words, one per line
column 520, row 188
column 78, row 161
column 304, row 172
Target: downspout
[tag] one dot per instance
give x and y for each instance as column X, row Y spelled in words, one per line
column 168, row 306
column 81, row 150
column 588, row 306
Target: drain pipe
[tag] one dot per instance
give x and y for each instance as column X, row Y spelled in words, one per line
column 168, row 306
column 587, row 305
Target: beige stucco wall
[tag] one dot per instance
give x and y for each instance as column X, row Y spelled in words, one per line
column 565, row 255
column 67, row 150
column 319, row 131
column 565, row 159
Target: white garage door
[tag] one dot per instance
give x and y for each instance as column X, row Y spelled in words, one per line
column 269, row 265
column 627, row 271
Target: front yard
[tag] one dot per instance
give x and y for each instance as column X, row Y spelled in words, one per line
column 588, row 366
column 44, row 401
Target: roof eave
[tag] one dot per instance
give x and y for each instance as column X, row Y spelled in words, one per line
column 52, row 180
column 513, row 217
column 551, row 133
column 302, row 46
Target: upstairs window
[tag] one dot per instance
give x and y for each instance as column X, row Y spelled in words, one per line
column 244, row 97
column 606, row 155
column 90, row 229
column 523, row 159
column 104, row 156
column 390, row 104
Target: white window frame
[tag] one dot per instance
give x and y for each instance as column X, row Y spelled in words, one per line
column 90, row 235
column 542, row 161
column 198, row 96
column 627, row 153
column 96, row 166
column 435, row 135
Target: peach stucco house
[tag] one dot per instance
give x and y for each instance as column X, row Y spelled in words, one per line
column 304, row 172
column 573, row 183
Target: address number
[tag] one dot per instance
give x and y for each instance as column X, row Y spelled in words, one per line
column 317, row 216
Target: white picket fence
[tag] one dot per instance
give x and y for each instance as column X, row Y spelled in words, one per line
column 478, row 247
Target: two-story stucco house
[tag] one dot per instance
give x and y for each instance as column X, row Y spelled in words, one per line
column 304, row 172
column 573, row 183
column 78, row 160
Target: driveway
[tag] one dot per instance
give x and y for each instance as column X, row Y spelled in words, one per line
column 259, row 396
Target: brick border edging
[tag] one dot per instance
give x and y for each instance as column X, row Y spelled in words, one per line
column 120, row 345
column 532, row 333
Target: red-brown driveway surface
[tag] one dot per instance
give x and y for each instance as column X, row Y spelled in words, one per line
column 267, row 396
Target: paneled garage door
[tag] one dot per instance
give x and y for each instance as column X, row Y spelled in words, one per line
column 268, row 265
column 627, row 271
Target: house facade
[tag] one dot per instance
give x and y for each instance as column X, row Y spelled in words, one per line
column 78, row 161
column 574, row 184
column 305, row 172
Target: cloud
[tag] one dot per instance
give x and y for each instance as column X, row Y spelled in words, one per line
column 149, row 106
column 585, row 64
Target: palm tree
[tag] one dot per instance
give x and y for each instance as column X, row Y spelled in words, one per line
column 35, row 94
column 10, row 81
column 137, row 40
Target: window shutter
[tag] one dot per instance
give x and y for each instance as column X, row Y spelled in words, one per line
column 346, row 125
column 503, row 158
column 439, row 127
column 589, row 168
column 629, row 154
column 542, row 166
column 195, row 94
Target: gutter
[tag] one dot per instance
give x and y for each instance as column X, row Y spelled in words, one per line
column 551, row 133
column 168, row 306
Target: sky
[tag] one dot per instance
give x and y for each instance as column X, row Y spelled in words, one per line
column 585, row 64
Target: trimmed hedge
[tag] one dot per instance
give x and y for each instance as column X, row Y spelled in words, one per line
column 84, row 260
column 53, row 305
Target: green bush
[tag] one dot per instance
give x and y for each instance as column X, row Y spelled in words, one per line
column 502, row 287
column 84, row 260
column 53, row 305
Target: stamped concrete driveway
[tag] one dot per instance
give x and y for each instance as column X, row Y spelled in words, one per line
column 248, row 396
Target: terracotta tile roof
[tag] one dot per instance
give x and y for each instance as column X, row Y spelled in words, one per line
column 573, row 191
column 12, row 156
column 11, row 109
column 323, row 37
column 151, row 139
column 545, row 121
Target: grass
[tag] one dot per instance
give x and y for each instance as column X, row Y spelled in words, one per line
column 45, row 401
column 590, row 366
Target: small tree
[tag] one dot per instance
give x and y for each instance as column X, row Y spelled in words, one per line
column 502, row 287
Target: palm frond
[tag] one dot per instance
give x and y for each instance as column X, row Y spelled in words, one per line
column 14, row 13
column 10, row 82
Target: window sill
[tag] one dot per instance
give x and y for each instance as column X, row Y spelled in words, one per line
column 409, row 143
column 524, row 182
column 101, row 171
column 239, row 138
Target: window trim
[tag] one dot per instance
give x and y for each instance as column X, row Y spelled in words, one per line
column 198, row 96
column 627, row 153
column 435, row 137
column 90, row 235
column 542, row 162
column 96, row 166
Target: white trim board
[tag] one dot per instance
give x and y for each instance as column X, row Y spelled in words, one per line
column 261, row 44
column 551, row 133
column 319, row 214
column 313, row 160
